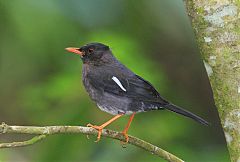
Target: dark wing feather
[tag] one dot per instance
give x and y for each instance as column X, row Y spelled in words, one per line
column 145, row 90
column 149, row 90
column 136, row 88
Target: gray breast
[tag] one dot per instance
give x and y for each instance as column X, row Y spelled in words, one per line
column 86, row 82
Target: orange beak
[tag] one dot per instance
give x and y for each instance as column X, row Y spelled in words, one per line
column 74, row 50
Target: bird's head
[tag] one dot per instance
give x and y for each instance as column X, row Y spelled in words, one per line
column 92, row 52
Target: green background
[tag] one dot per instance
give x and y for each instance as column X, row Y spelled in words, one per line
column 40, row 83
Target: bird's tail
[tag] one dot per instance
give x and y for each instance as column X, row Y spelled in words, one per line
column 186, row 113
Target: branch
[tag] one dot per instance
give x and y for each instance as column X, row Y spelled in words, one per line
column 23, row 143
column 42, row 132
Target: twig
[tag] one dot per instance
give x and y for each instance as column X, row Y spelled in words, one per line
column 43, row 132
column 23, row 143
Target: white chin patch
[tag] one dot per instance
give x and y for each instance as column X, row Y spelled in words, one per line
column 115, row 79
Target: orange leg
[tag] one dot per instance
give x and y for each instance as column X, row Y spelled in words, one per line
column 100, row 128
column 124, row 132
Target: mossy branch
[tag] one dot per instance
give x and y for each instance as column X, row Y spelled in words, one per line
column 43, row 132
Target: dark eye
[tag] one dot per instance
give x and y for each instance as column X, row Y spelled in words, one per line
column 90, row 50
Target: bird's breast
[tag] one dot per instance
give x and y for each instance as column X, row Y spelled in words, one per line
column 93, row 82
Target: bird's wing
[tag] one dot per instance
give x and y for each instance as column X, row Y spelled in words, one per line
column 141, row 88
column 133, row 87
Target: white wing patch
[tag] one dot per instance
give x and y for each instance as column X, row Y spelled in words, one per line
column 115, row 79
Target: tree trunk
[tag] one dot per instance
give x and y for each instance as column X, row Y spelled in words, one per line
column 216, row 24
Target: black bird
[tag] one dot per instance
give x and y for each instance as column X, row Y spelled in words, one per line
column 117, row 90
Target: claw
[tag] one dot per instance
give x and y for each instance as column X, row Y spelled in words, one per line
column 98, row 128
column 99, row 134
column 89, row 125
column 88, row 136
column 126, row 138
column 98, row 139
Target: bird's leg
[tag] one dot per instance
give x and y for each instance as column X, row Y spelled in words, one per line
column 124, row 132
column 100, row 128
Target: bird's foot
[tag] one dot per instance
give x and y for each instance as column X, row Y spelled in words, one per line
column 98, row 128
column 124, row 133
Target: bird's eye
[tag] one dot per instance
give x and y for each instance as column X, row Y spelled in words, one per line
column 90, row 50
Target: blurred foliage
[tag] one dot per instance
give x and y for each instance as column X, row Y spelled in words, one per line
column 41, row 83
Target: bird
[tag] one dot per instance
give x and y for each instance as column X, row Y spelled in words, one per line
column 117, row 90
